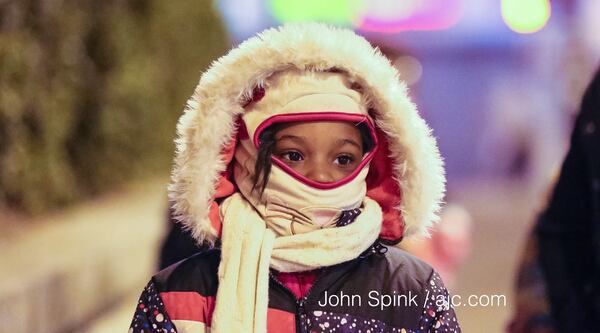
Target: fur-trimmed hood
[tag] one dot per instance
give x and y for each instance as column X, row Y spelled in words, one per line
column 406, row 177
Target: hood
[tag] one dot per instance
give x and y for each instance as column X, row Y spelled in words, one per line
column 406, row 175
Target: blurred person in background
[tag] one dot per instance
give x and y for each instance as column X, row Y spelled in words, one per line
column 558, row 287
column 569, row 229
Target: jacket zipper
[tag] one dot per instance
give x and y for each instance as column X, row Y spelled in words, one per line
column 292, row 295
column 301, row 302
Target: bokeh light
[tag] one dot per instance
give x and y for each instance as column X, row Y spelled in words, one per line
column 526, row 16
column 410, row 69
column 340, row 12
column 390, row 16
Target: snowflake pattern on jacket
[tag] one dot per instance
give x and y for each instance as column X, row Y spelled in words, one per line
column 150, row 315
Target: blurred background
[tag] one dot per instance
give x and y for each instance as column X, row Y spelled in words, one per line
column 90, row 92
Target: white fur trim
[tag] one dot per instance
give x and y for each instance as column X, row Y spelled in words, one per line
column 209, row 119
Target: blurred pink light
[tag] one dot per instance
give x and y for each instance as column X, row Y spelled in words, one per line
column 387, row 16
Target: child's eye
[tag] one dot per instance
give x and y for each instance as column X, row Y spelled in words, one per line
column 292, row 156
column 344, row 160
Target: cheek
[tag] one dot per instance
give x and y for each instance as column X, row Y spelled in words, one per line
column 333, row 172
column 298, row 167
column 339, row 174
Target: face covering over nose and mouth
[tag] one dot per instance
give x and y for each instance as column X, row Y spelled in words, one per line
column 289, row 205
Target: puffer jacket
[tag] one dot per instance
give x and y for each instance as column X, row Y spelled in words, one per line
column 383, row 290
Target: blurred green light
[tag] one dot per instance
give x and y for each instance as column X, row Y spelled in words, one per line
column 342, row 12
column 526, row 16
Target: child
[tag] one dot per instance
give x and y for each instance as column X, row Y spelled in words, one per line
column 301, row 161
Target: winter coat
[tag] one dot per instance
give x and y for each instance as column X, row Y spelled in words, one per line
column 406, row 179
column 569, row 229
column 384, row 290
column 531, row 309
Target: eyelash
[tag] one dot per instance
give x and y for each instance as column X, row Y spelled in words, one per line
column 350, row 159
column 287, row 153
column 286, row 156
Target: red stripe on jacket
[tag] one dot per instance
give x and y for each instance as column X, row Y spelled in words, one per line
column 279, row 321
column 189, row 305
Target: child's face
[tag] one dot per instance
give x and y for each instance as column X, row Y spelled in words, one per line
column 323, row 151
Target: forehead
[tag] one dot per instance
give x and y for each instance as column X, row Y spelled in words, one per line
column 319, row 129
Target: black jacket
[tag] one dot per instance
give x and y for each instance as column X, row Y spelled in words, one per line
column 569, row 229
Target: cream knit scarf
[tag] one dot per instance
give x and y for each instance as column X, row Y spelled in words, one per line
column 249, row 249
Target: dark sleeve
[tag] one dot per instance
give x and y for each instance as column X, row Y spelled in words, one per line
column 438, row 315
column 150, row 314
column 177, row 245
column 531, row 310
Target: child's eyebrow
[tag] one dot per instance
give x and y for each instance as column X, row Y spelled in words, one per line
column 349, row 141
column 301, row 139
column 292, row 137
